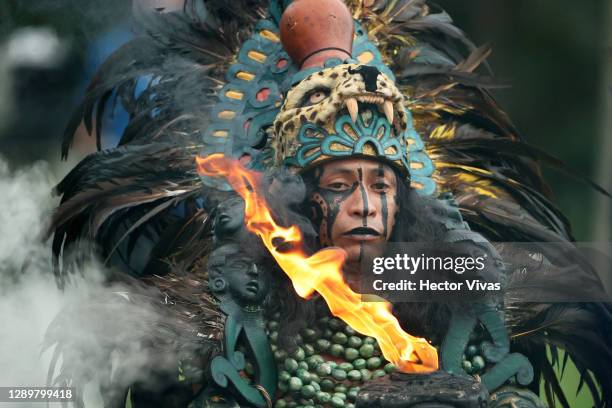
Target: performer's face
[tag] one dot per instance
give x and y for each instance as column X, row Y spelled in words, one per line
column 355, row 205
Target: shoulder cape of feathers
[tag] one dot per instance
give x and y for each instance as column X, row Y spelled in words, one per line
column 116, row 197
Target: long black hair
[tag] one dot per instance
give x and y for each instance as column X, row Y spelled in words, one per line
column 417, row 220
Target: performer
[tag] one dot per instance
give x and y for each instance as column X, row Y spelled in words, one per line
column 396, row 138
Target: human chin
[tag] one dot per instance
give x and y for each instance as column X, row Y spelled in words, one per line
column 357, row 249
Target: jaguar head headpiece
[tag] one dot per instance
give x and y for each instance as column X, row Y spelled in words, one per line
column 348, row 110
column 341, row 109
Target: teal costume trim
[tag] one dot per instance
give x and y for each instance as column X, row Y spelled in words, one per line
column 250, row 99
column 376, row 133
column 224, row 370
column 501, row 365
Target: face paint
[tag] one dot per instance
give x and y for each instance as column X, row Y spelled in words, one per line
column 384, row 206
column 364, row 197
column 350, row 205
column 327, row 204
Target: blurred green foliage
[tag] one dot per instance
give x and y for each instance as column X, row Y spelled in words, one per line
column 552, row 53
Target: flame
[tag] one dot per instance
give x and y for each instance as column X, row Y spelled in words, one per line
column 322, row 272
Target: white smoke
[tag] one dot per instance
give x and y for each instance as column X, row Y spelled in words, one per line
column 94, row 317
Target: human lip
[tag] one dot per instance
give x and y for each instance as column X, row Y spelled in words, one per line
column 362, row 234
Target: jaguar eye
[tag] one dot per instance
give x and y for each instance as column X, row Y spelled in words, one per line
column 315, row 96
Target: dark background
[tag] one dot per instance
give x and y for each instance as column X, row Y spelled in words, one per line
column 555, row 53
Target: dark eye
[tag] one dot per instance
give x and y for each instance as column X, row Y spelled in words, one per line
column 381, row 187
column 337, row 186
column 315, row 96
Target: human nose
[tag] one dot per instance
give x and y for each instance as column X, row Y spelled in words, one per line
column 361, row 203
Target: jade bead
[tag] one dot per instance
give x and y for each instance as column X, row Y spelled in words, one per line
column 345, row 366
column 314, row 361
column 298, row 354
column 322, row 345
column 366, row 351
column 308, row 350
column 273, row 336
column 340, row 388
column 337, row 402
column 350, row 331
column 378, row 373
column 309, row 334
column 365, row 374
column 272, row 325
column 315, row 384
column 359, row 364
column 467, row 366
column 339, row 338
column 248, row 368
column 323, row 321
column 298, row 339
column 340, row 395
column 273, row 347
column 322, row 397
column 291, row 365
column 281, row 403
column 324, row 369
column 349, row 405
column 280, row 355
column 351, row 354
column 303, row 375
column 355, row 342
column 336, row 350
column 284, row 376
column 327, row 385
column 478, row 363
column 328, row 333
column 390, row 368
column 338, row 374
column 302, row 364
column 373, row 362
column 283, row 387
column 352, row 394
column 369, row 340
column 295, row 384
column 354, row 375
column 335, row 324
column 308, row 391
column 471, row 351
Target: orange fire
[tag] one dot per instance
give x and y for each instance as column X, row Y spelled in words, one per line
column 322, row 272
